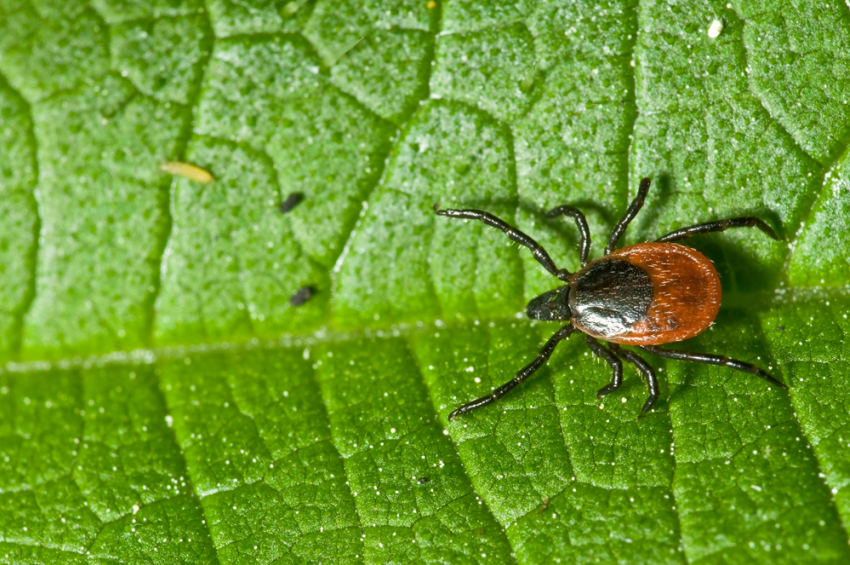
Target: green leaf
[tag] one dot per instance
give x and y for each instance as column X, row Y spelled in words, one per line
column 163, row 401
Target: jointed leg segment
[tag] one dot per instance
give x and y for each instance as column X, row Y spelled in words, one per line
column 611, row 358
column 721, row 360
column 647, row 371
column 719, row 225
column 632, row 211
column 523, row 239
column 526, row 372
column 581, row 222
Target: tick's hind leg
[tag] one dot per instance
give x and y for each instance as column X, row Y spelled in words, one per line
column 719, row 225
column 648, row 373
column 581, row 223
column 526, row 372
column 520, row 237
column 631, row 212
column 616, row 366
column 721, row 360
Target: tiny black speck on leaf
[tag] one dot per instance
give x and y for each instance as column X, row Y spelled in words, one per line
column 423, row 480
column 291, row 202
column 301, row 296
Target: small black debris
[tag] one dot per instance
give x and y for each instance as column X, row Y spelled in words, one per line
column 291, row 202
column 423, row 480
column 301, row 296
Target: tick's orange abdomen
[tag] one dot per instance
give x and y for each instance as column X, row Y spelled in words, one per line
column 685, row 295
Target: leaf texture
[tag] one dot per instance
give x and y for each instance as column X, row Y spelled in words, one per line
column 163, row 401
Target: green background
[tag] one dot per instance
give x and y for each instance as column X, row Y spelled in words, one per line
column 162, row 402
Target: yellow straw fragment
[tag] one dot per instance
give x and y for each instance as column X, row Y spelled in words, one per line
column 186, row 170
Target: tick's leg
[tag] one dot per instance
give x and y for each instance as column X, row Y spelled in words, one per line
column 712, row 360
column 646, row 369
column 719, row 225
column 616, row 366
column 634, row 207
column 513, row 233
column 581, row 222
column 526, row 372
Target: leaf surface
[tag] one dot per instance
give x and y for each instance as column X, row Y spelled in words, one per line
column 164, row 402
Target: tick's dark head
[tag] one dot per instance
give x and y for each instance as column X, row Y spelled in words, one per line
column 550, row 306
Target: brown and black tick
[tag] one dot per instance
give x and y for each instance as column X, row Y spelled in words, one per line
column 644, row 295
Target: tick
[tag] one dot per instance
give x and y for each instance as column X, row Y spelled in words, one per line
column 644, row 295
